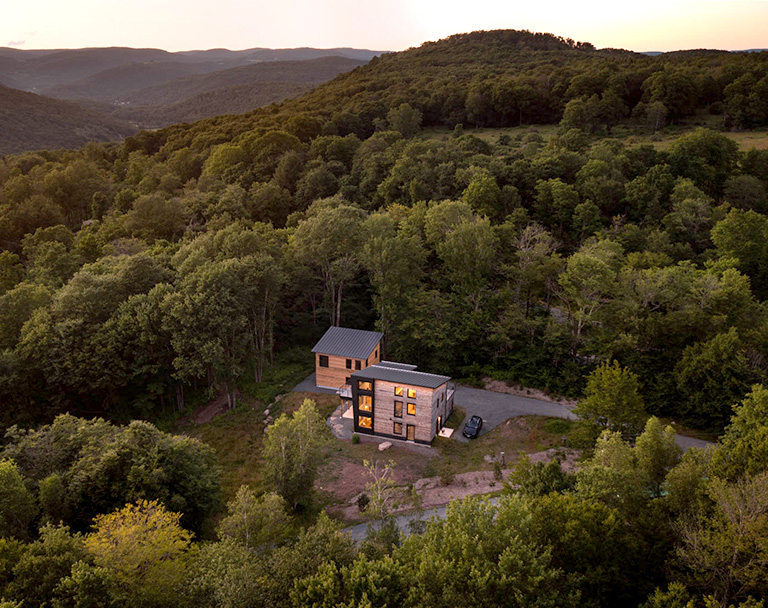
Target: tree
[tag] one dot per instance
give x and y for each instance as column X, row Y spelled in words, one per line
column 743, row 448
column 712, row 376
column 291, row 453
column 726, row 552
column 145, row 549
column 656, row 452
column 255, row 521
column 612, row 399
column 404, row 119
column 17, row 507
column 331, row 239
column 540, row 478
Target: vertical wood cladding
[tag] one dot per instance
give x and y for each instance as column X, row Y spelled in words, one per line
column 337, row 372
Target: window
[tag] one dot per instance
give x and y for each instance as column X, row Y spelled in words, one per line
column 397, row 428
column 365, row 422
column 398, row 409
column 411, row 393
column 357, row 364
column 364, row 386
column 366, row 363
column 411, row 409
column 398, row 391
column 376, row 354
column 410, row 432
column 365, row 403
column 323, row 360
column 349, row 363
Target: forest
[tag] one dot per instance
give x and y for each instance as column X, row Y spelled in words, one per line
column 138, row 277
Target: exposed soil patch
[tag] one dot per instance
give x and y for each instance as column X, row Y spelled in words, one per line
column 434, row 492
column 499, row 386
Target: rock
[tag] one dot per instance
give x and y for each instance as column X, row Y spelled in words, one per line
column 266, row 429
column 266, row 412
column 385, row 446
column 268, row 420
column 489, row 458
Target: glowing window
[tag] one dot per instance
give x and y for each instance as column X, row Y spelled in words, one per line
column 365, row 386
column 411, row 393
column 411, row 409
column 398, row 391
column 365, row 403
column 365, row 422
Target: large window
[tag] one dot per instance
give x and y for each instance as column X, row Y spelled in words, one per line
column 397, row 428
column 398, row 409
column 349, row 363
column 365, row 422
column 364, row 386
column 411, row 393
column 357, row 364
column 323, row 360
column 398, row 391
column 365, row 403
column 411, row 409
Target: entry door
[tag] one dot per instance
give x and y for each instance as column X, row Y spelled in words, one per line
column 410, row 432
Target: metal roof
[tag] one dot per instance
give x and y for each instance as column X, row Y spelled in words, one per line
column 401, row 376
column 346, row 342
column 392, row 364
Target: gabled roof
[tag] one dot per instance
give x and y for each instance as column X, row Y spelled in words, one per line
column 346, row 342
column 385, row 371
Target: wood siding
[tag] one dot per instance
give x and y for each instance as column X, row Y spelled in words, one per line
column 336, row 374
column 428, row 408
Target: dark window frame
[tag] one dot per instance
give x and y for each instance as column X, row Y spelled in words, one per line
column 400, row 415
column 349, row 363
column 323, row 360
column 409, row 409
column 358, row 367
column 397, row 431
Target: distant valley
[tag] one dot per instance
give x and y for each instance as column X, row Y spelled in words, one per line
column 114, row 92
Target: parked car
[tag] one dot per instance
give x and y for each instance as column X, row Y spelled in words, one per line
column 473, row 426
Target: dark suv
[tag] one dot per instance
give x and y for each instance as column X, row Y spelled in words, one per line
column 473, row 426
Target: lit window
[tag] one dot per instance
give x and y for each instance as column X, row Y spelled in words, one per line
column 398, row 409
column 365, row 403
column 323, row 360
column 349, row 363
column 364, row 386
column 398, row 391
column 357, row 364
column 411, row 409
column 411, row 393
column 365, row 422
column 397, row 429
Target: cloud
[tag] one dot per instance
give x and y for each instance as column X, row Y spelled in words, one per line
column 16, row 42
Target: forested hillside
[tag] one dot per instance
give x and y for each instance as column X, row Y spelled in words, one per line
column 179, row 262
column 29, row 121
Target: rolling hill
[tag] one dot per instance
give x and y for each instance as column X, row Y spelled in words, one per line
column 31, row 122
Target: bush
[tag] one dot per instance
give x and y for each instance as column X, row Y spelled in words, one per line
column 355, row 438
column 363, row 500
column 446, row 474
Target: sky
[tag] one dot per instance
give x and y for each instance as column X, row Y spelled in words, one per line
column 645, row 25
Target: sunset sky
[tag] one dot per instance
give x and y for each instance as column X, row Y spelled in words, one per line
column 650, row 25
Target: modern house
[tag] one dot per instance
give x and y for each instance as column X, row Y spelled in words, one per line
column 342, row 351
column 396, row 401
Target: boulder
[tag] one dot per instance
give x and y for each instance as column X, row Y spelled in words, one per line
column 385, row 445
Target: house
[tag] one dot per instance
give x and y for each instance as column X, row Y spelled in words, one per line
column 394, row 400
column 342, row 351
